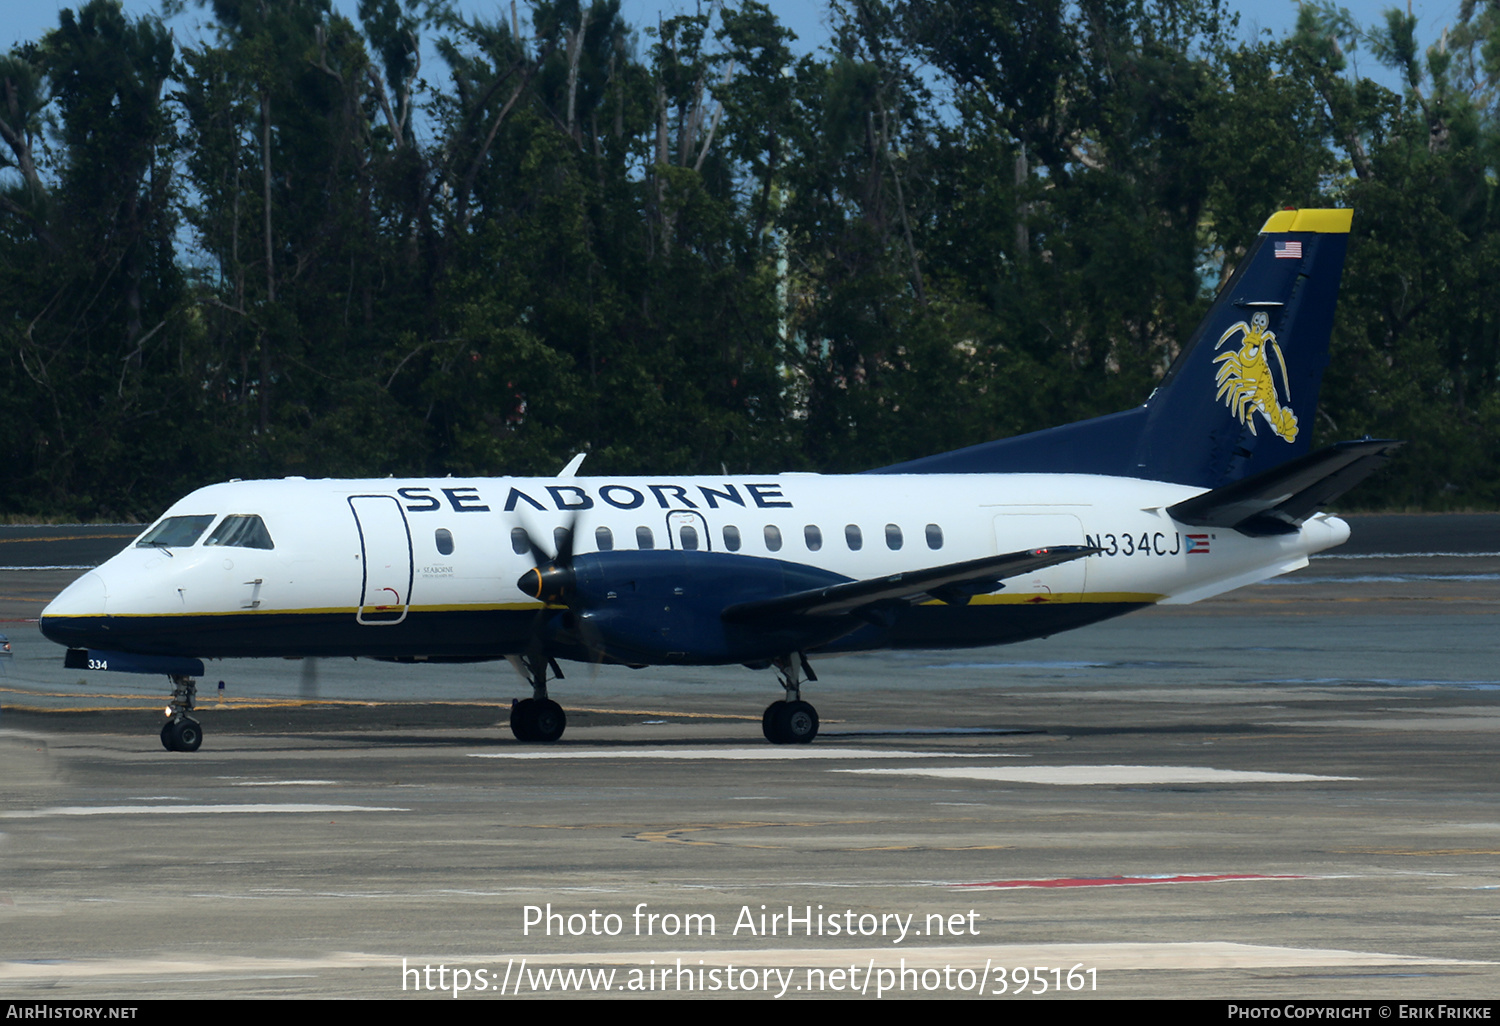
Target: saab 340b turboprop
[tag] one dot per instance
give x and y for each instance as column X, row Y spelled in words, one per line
column 1207, row 486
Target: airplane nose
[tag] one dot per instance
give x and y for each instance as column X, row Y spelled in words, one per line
column 67, row 614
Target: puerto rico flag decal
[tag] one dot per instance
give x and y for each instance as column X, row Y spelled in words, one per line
column 1197, row 544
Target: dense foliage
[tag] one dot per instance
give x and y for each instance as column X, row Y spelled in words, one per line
column 294, row 250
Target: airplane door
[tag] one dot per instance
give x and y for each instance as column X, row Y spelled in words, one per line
column 385, row 559
column 1027, row 530
column 688, row 531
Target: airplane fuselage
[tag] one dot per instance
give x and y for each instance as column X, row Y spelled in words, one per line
column 428, row 569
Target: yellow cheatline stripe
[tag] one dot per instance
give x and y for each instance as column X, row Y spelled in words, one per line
column 1328, row 222
column 339, row 611
column 1013, row 599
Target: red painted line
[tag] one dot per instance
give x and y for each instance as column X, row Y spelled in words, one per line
column 1117, row 881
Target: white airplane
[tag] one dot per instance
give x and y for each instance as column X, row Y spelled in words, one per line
column 1207, row 486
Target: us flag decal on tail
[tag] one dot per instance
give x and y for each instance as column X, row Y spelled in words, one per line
column 1288, row 251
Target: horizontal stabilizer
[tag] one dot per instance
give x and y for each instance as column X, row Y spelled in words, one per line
column 1277, row 501
column 941, row 581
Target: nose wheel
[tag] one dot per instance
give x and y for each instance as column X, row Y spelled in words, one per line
column 181, row 733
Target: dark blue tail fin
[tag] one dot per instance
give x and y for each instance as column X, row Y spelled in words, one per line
column 1239, row 400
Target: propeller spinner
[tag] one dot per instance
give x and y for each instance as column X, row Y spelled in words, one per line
column 551, row 580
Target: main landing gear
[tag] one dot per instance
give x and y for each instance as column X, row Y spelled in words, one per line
column 181, row 733
column 791, row 721
column 538, row 718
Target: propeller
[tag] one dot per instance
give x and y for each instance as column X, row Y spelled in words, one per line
column 551, row 579
column 553, row 582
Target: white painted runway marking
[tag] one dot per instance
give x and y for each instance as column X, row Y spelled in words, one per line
column 1188, row 955
column 1075, row 775
column 758, row 753
column 180, row 810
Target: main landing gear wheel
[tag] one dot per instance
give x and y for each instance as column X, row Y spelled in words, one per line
column 182, row 735
column 537, row 720
column 790, row 723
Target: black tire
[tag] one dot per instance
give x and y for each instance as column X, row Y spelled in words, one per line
column 768, row 723
column 181, row 735
column 796, row 723
column 521, row 719
column 548, row 721
column 189, row 735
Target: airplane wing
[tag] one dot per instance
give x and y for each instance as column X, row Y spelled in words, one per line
column 1278, row 500
column 953, row 583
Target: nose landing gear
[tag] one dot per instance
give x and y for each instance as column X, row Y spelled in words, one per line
column 181, row 733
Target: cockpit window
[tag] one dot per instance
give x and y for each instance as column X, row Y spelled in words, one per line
column 244, row 531
column 175, row 532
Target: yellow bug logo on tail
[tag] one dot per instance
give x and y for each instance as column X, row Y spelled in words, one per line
column 1245, row 382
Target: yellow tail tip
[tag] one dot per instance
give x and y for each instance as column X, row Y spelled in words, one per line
column 1332, row 222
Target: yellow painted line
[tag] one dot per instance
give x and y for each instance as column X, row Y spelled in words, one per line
column 208, row 699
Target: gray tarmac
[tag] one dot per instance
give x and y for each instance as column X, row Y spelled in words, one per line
column 1287, row 792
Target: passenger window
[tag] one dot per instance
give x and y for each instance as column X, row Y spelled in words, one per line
column 689, row 536
column 175, row 532
column 813, row 537
column 853, row 538
column 773, row 538
column 934, row 536
column 243, row 532
column 444, row 539
column 519, row 542
column 604, row 539
column 731, row 538
column 892, row 536
column 643, row 539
